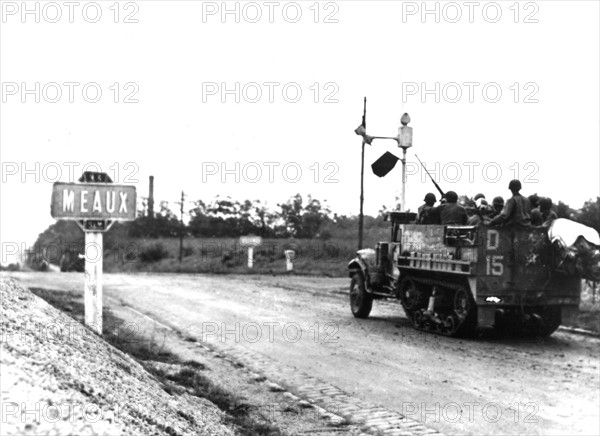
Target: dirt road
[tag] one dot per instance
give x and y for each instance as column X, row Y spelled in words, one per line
column 455, row 386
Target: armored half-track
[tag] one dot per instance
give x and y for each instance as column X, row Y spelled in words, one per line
column 451, row 280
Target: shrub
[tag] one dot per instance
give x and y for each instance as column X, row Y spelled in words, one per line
column 153, row 253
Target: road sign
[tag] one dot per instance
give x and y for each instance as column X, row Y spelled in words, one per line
column 94, row 201
column 250, row 240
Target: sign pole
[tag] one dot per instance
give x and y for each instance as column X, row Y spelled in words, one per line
column 92, row 287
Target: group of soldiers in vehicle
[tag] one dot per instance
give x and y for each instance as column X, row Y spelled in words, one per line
column 518, row 210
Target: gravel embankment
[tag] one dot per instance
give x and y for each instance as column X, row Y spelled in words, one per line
column 60, row 378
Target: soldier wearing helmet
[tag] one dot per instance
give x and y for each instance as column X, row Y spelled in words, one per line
column 516, row 210
column 482, row 213
column 547, row 211
column 497, row 206
column 451, row 213
column 424, row 212
column 536, row 216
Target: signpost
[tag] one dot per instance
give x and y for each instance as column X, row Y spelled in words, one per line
column 250, row 242
column 95, row 203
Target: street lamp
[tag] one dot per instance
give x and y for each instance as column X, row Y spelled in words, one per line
column 404, row 141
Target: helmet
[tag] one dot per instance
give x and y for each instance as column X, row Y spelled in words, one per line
column 451, row 196
column 545, row 203
column 534, row 199
column 485, row 209
column 514, row 185
column 429, row 198
column 498, row 201
column 481, row 203
column 478, row 196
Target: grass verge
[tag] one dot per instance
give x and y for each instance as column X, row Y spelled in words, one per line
column 189, row 376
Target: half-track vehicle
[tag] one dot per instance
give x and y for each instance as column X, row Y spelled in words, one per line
column 452, row 279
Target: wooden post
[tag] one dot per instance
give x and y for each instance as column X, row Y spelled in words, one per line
column 93, row 281
column 250, row 256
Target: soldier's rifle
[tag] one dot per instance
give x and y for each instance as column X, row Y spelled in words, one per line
column 431, row 178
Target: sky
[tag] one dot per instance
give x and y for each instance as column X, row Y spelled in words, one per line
column 259, row 100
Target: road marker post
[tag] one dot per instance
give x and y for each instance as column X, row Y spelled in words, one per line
column 289, row 259
column 250, row 242
column 95, row 203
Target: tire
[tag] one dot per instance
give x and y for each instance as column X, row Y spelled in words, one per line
column 413, row 296
column 361, row 302
column 552, row 321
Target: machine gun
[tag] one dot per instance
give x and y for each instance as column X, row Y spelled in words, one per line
column 431, row 178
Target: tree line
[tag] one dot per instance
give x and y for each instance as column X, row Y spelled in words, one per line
column 226, row 217
column 298, row 217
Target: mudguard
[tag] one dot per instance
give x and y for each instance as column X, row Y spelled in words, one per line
column 363, row 262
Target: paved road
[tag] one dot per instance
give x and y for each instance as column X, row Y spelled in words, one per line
column 456, row 386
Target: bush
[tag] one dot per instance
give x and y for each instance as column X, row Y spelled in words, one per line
column 153, row 253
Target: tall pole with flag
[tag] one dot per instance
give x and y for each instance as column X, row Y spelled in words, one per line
column 362, row 177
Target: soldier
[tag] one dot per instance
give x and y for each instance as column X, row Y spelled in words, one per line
column 534, row 200
column 450, row 212
column 468, row 204
column 546, row 210
column 536, row 216
column 516, row 210
column 424, row 212
column 482, row 214
column 497, row 206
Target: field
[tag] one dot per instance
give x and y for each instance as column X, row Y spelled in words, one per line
column 318, row 257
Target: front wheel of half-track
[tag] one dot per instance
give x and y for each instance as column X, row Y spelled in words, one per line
column 361, row 302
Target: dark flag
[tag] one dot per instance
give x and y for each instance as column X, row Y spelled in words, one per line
column 384, row 164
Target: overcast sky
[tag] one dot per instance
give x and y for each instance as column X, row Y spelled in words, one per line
column 272, row 92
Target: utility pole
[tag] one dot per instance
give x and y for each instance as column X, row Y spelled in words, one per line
column 362, row 178
column 181, row 229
